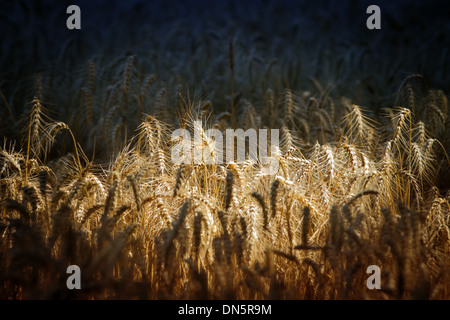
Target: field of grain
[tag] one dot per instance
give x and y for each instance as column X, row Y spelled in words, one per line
column 87, row 177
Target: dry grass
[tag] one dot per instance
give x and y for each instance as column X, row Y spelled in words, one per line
column 143, row 228
column 97, row 187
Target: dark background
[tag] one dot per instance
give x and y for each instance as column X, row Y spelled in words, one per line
column 327, row 40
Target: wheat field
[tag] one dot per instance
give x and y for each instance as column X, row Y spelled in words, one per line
column 87, row 179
